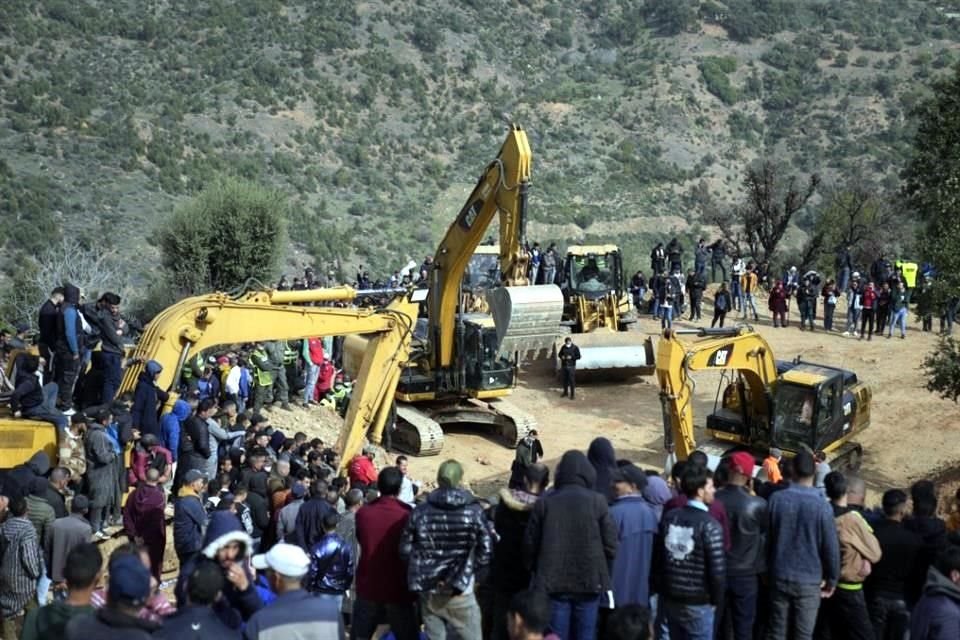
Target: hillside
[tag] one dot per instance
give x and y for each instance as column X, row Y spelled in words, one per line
column 376, row 117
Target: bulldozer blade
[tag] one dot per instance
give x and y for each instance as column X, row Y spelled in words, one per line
column 608, row 355
column 527, row 319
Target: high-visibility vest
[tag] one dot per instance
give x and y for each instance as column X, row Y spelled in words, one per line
column 909, row 270
column 289, row 355
column 261, row 374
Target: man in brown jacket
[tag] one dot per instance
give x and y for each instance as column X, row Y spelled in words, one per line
column 845, row 613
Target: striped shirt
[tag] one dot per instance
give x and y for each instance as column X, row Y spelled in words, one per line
column 20, row 567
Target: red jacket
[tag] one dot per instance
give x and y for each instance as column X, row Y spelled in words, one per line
column 869, row 298
column 139, row 460
column 362, row 471
column 382, row 574
column 316, row 350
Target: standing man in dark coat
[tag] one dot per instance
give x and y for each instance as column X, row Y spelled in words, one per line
column 101, row 471
column 63, row 536
column 570, row 542
column 68, row 349
column 144, row 414
column 105, row 314
column 47, row 322
column 569, row 354
column 195, row 442
column 144, row 521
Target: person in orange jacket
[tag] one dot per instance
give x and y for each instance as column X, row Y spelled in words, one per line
column 771, row 466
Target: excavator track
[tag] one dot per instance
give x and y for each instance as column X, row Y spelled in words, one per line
column 417, row 432
column 523, row 421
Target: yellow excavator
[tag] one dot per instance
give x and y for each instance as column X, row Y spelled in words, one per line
column 200, row 323
column 761, row 402
column 464, row 361
column 597, row 305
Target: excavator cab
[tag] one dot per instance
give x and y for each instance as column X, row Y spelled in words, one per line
column 486, row 368
column 594, row 275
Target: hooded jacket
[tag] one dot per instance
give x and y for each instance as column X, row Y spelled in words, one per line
column 510, row 572
column 20, row 479
column 69, row 325
column 51, row 620
column 143, row 415
column 937, row 615
column 637, row 527
column 571, row 539
column 235, row 606
column 171, row 425
column 445, row 542
column 143, row 515
column 27, row 392
column 604, row 462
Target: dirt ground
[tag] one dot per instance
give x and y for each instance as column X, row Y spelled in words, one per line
column 912, row 433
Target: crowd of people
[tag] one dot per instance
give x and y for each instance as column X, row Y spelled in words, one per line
column 877, row 299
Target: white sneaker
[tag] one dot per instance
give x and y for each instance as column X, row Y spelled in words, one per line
column 102, row 535
column 69, row 412
column 846, row 333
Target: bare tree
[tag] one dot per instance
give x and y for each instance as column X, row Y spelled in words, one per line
column 66, row 262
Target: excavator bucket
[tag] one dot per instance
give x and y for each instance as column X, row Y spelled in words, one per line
column 608, row 355
column 527, row 318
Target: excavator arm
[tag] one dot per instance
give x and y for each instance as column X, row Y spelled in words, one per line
column 195, row 324
column 735, row 349
column 501, row 191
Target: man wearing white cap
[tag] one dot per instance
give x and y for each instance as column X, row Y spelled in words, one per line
column 295, row 614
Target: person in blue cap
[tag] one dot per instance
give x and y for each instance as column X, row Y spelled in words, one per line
column 128, row 589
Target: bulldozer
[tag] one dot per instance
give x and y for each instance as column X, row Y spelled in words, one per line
column 199, row 323
column 761, row 402
column 465, row 352
column 597, row 306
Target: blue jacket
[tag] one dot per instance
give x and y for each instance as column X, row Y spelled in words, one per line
column 296, row 614
column 937, row 615
column 802, row 542
column 331, row 566
column 637, row 528
column 189, row 521
column 70, row 327
column 245, row 380
column 195, row 623
column 170, row 425
column 235, row 606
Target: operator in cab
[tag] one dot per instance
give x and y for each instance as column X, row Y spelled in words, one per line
column 569, row 354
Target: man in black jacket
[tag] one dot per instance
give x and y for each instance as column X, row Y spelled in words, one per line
column 195, row 442
column 898, row 573
column 47, row 322
column 571, row 541
column 746, row 559
column 105, row 314
column 445, row 542
column 692, row 567
column 569, row 354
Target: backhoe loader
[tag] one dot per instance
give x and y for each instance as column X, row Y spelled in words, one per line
column 761, row 402
column 200, row 323
column 597, row 305
column 464, row 360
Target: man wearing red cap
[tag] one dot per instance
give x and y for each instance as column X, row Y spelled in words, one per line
column 746, row 557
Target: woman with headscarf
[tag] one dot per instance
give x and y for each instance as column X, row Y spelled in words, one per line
column 604, row 462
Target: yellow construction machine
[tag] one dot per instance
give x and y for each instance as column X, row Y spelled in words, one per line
column 761, row 402
column 196, row 324
column 597, row 304
column 465, row 360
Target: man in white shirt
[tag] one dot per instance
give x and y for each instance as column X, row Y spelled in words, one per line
column 409, row 487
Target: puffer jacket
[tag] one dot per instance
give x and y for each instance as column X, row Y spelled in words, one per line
column 748, row 531
column 691, row 567
column 445, row 541
column 331, row 566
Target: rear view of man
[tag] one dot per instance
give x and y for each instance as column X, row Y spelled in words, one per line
column 81, row 571
column 446, row 542
column 803, row 554
column 937, row 615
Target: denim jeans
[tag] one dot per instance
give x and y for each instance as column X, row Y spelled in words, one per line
column 48, row 411
column 713, row 270
column 313, row 372
column 460, row 613
column 793, row 610
column 573, row 616
column 736, row 293
column 740, row 607
column 843, row 279
column 749, row 304
column 898, row 318
column 112, row 376
column 688, row 621
column 666, row 318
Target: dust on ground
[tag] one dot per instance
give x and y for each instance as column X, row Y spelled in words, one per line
column 912, row 433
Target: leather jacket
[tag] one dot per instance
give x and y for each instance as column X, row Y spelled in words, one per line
column 690, row 558
column 331, row 565
column 748, row 531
